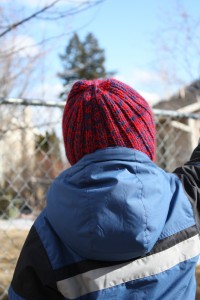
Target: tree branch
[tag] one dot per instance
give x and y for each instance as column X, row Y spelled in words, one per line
column 15, row 25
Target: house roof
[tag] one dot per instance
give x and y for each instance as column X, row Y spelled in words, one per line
column 186, row 96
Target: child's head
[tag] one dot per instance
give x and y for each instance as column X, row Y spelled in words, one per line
column 106, row 113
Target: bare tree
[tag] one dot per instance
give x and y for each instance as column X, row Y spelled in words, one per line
column 178, row 47
column 17, row 69
column 47, row 13
column 18, row 58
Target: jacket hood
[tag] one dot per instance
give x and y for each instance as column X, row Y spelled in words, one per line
column 111, row 205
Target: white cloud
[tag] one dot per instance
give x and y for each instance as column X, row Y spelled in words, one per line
column 144, row 76
column 140, row 77
column 23, row 44
column 47, row 91
column 151, row 98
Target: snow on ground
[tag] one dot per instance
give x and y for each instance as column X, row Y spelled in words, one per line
column 19, row 224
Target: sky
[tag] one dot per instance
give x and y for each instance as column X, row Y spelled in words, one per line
column 131, row 33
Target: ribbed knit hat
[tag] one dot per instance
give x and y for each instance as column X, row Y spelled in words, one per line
column 106, row 113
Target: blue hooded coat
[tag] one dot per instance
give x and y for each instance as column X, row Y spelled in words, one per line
column 116, row 226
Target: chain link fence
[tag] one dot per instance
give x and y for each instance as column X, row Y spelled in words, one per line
column 32, row 155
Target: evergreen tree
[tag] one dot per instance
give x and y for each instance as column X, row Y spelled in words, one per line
column 82, row 60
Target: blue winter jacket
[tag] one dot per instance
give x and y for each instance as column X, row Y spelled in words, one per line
column 116, row 226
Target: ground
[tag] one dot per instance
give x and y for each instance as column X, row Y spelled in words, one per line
column 12, row 237
column 198, row 283
column 11, row 241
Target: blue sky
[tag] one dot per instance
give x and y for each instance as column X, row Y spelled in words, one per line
column 129, row 31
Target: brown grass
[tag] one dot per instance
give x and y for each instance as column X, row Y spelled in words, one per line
column 198, row 283
column 11, row 242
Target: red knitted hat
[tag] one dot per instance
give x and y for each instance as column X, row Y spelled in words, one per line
column 106, row 113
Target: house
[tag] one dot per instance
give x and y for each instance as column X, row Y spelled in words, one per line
column 28, row 165
column 17, row 159
column 17, row 144
column 178, row 136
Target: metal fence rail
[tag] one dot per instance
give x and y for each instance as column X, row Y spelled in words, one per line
column 32, row 155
